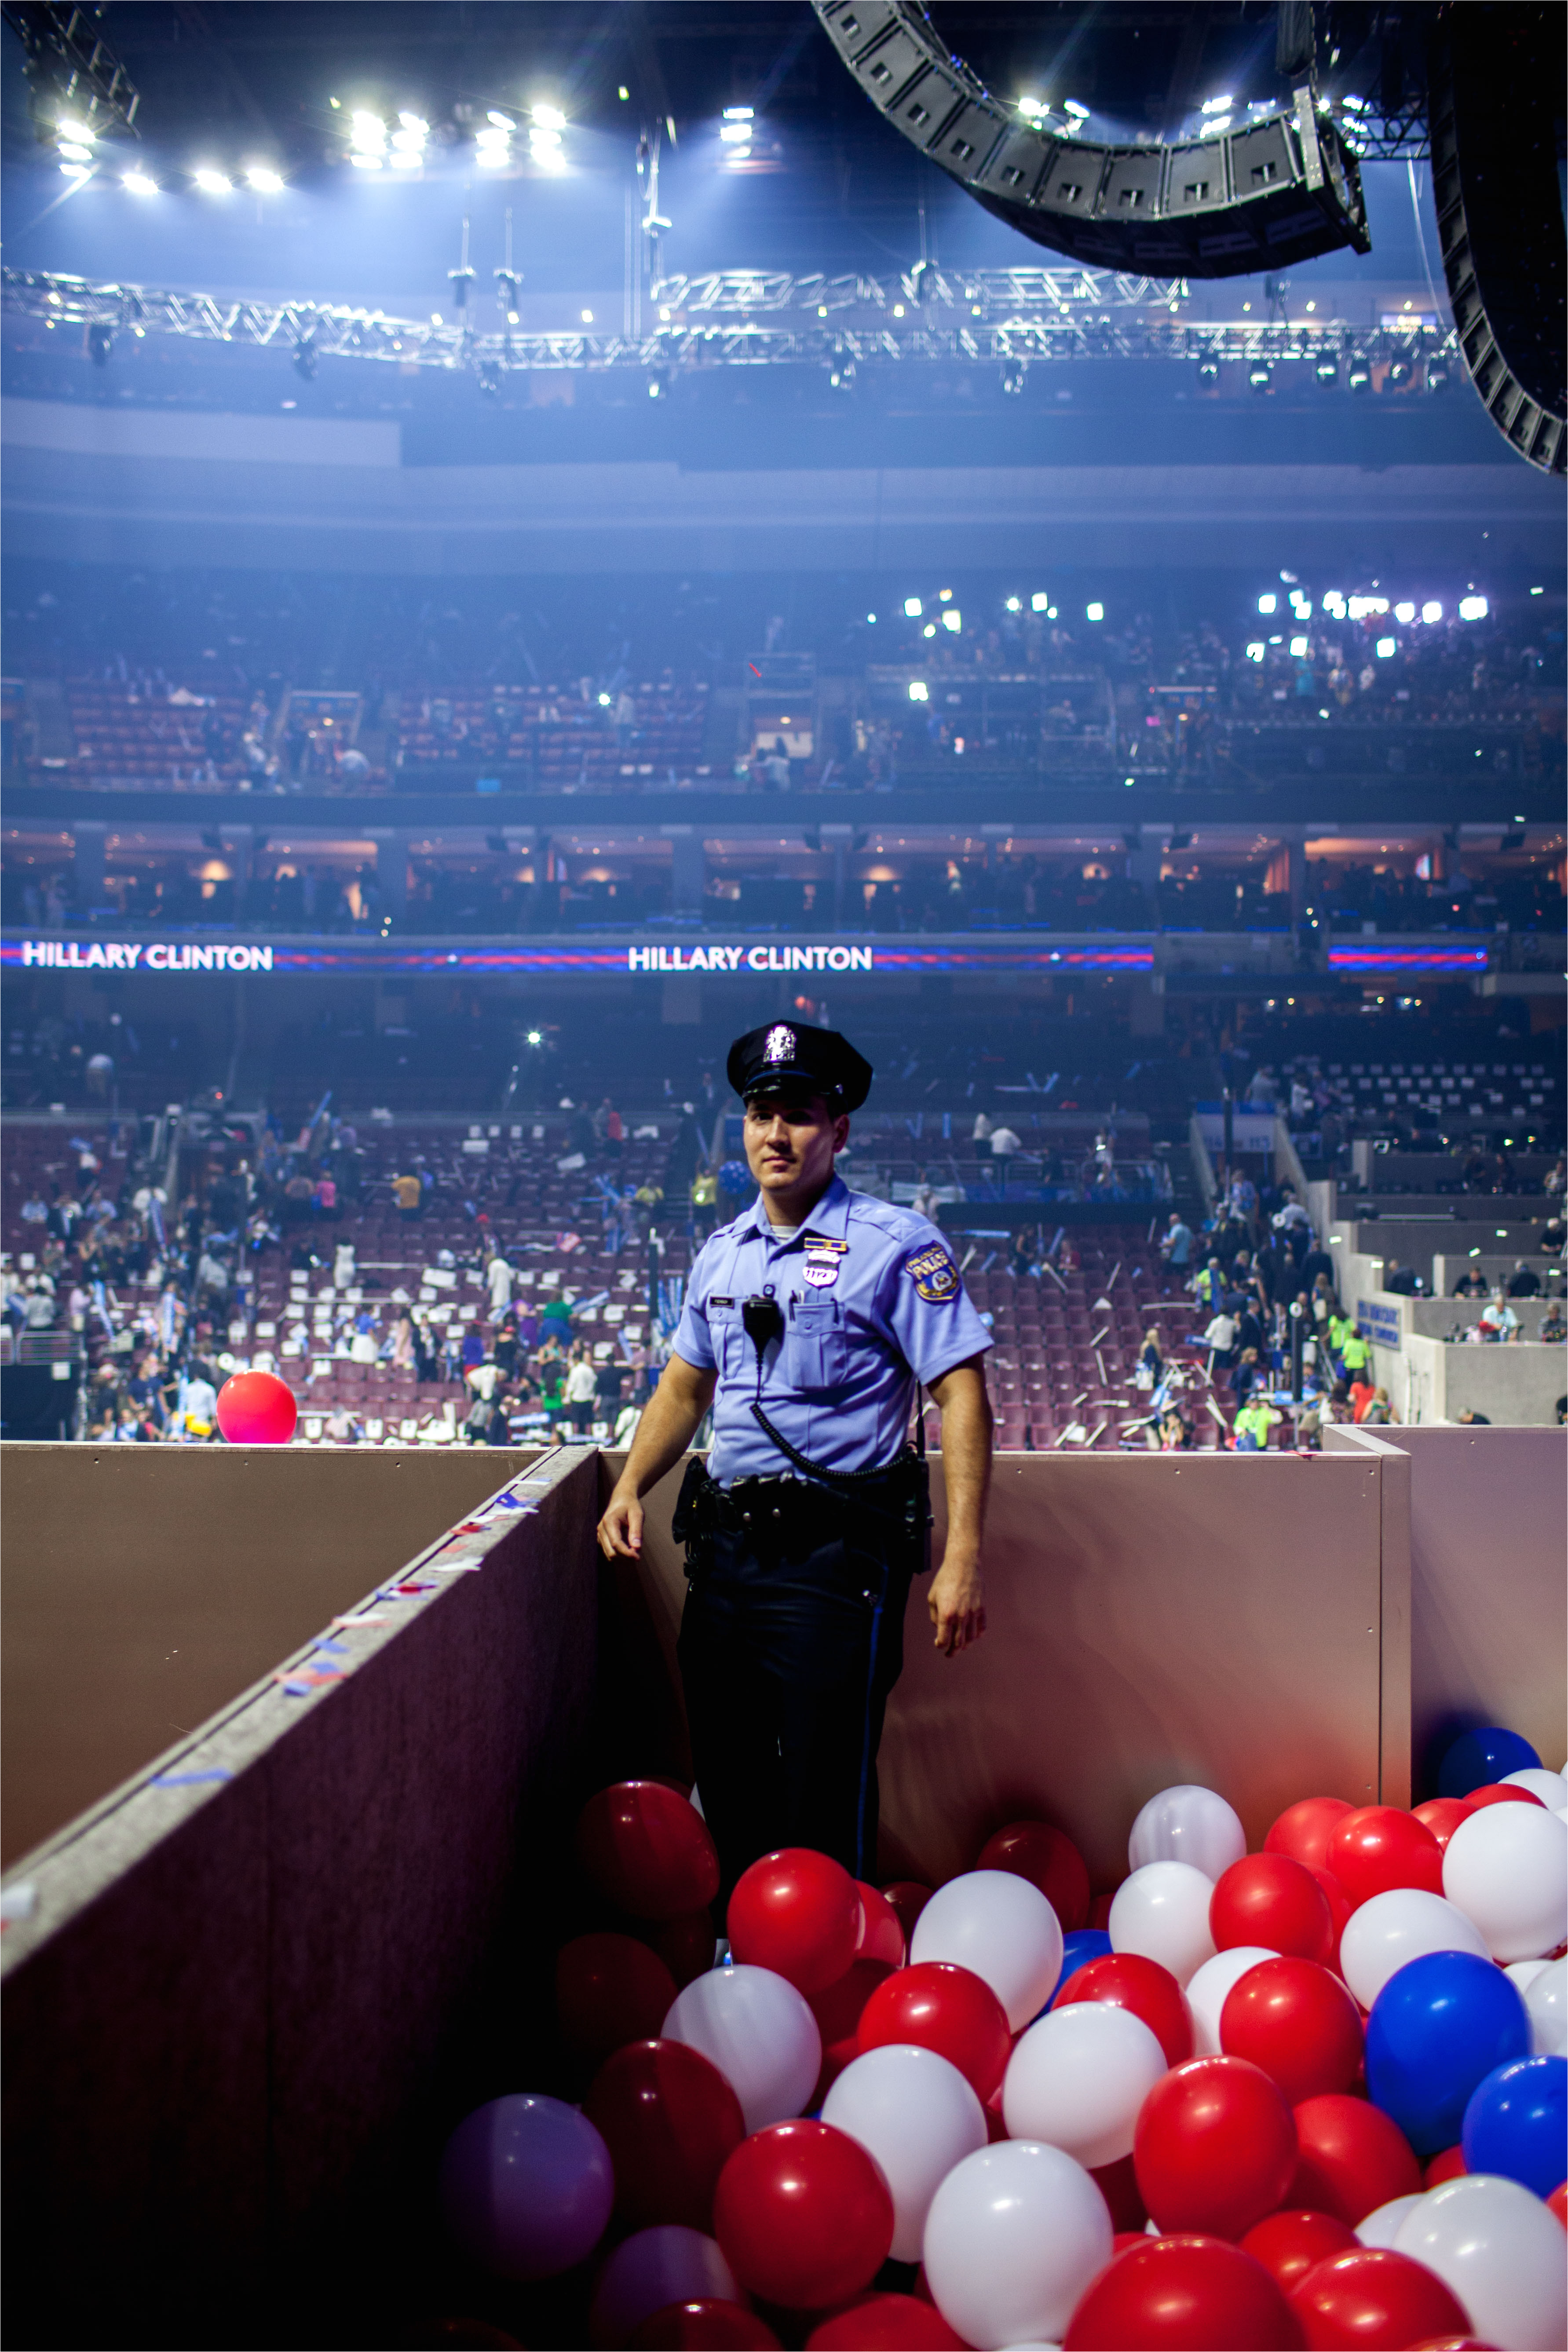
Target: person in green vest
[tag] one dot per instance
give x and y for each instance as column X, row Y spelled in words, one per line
column 1355, row 1355
column 1253, row 1423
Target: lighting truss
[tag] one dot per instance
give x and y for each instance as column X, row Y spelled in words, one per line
column 738, row 319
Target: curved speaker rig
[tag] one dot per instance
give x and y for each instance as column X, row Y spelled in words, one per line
column 1277, row 190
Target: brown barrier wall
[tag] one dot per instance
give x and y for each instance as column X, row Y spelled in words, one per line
column 1488, row 1541
column 241, row 2013
column 146, row 1586
column 1235, row 1620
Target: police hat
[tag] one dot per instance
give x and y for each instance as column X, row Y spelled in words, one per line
column 785, row 1056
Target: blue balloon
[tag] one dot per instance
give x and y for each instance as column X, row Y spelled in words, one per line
column 1438, row 2027
column 1517, row 2123
column 1083, row 1945
column 1479, row 1757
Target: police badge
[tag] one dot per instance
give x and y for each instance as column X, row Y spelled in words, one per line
column 780, row 1046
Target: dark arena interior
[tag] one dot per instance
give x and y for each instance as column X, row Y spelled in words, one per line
column 544, row 539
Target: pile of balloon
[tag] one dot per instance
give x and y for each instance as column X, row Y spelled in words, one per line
column 1315, row 2095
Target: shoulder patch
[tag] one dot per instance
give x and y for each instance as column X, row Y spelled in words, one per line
column 933, row 1274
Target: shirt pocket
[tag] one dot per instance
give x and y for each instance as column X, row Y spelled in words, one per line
column 817, row 1347
column 731, row 1349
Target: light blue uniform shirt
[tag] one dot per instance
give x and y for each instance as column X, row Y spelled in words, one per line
column 871, row 1301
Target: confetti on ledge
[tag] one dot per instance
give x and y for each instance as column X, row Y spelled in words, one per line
column 17, row 1902
column 298, row 1681
column 188, row 1779
column 362, row 1617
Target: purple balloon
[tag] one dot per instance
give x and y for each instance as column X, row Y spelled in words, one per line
column 527, row 2186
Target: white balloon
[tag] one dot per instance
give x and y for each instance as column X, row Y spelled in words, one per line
column 1550, row 1787
column 1510, row 1876
column 1078, row 2078
column 668, row 2264
column 1015, row 2234
column 1497, row 2249
column 760, row 2033
column 1208, row 1988
column 1523, row 1973
column 1187, row 1824
column 527, row 2186
column 1381, row 2226
column 1546, row 2005
column 1001, row 1927
column 1163, row 1911
column 914, row 2112
column 1400, row 1925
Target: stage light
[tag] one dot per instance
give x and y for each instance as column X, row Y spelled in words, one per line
column 544, row 117
column 1015, row 604
column 1079, row 113
column 1386, row 648
column 1216, row 106
column 587, row 318
column 1216, row 126
column 1040, row 602
column 1208, row 374
column 211, row 184
column 1094, row 612
column 1261, row 375
column 1401, row 373
column 1360, row 606
column 1432, row 612
column 1328, row 369
column 68, row 127
column 1359, row 373
column 1269, row 602
column 367, row 135
column 74, row 153
column 1405, row 612
column 1537, row 591
column 623, row 93
column 487, row 377
column 944, row 596
column 930, row 629
column 266, row 182
column 918, row 690
column 1437, row 375
column 1473, row 608
column 1051, row 612
column 1256, row 650
column 841, row 375
column 913, row 608
column 1013, row 374
column 99, row 343
column 365, row 162
column 1335, row 603
column 736, row 134
column 138, row 185
column 952, row 619
column 659, row 385
column 1299, row 646
column 76, row 172
column 1031, row 109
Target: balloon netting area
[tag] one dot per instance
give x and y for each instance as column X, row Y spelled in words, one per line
column 1314, row 2096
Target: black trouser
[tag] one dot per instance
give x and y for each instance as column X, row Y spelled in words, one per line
column 789, row 1650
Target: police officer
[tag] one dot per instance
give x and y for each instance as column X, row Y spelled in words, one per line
column 808, row 1322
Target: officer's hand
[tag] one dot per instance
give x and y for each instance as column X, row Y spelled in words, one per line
column 620, row 1529
column 957, row 1605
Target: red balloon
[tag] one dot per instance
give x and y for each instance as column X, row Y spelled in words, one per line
column 945, row 2008
column 610, row 1989
column 909, row 1898
column 1048, row 1858
column 1289, row 2245
column 1374, row 2297
column 1214, row 2148
column 257, row 1409
column 798, row 1913
column 1188, row 2294
column 885, row 2323
column 1378, row 1847
column 1452, row 2343
column 670, row 2120
column 1117, row 2184
column 838, row 2012
column 1272, row 1900
column 882, row 1936
column 1339, row 1907
column 1298, row 2023
column 685, row 1946
column 1125, row 2238
column 1353, row 2158
column 1449, row 2166
column 647, row 1850
column 708, row 2324
column 1128, row 1980
column 1500, row 1793
column 804, row 2215
column 1442, row 1816
column 1303, row 1830
column 1558, row 2202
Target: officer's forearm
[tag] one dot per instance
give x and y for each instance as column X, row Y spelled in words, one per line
column 965, row 1407
column 667, row 1425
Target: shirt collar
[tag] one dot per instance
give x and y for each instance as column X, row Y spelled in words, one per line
column 830, row 1217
